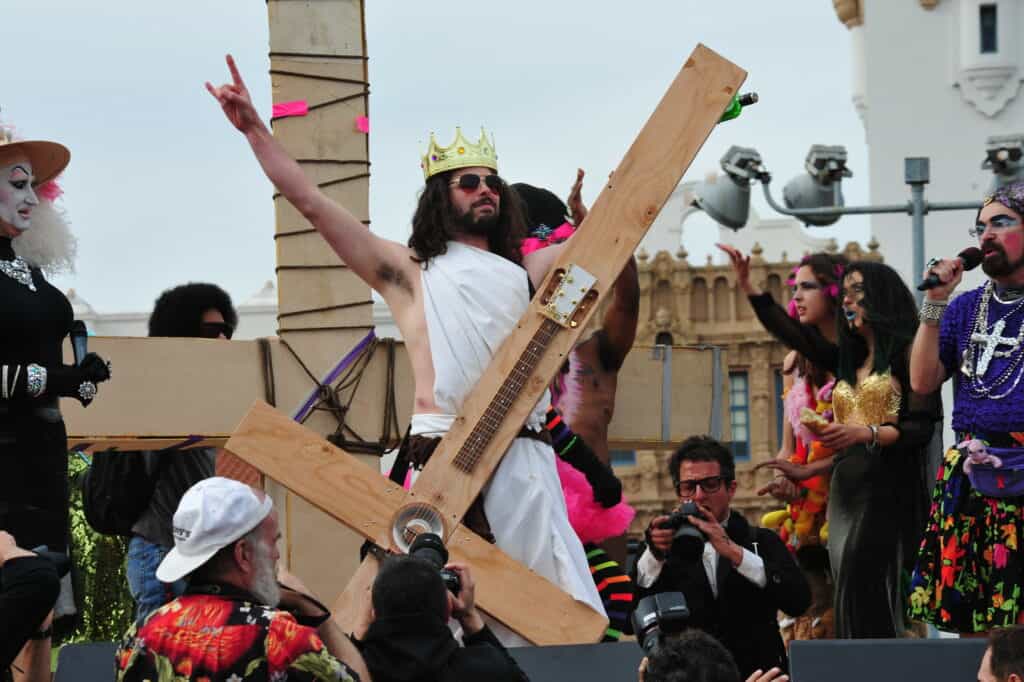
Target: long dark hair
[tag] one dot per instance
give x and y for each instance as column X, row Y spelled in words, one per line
column 435, row 222
column 890, row 309
column 828, row 269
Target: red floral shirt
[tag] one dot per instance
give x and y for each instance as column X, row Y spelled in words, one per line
column 214, row 638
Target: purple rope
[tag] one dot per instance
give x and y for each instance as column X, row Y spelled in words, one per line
column 307, row 406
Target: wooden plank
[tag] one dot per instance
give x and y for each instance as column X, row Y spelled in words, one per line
column 327, row 319
column 351, row 69
column 297, row 85
column 309, row 466
column 625, row 209
column 99, row 443
column 301, row 26
column 320, row 289
column 306, row 250
column 524, row 601
column 638, row 404
column 223, row 384
column 168, row 387
column 327, row 133
column 364, row 500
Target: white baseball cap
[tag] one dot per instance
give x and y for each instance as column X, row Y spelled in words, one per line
column 211, row 515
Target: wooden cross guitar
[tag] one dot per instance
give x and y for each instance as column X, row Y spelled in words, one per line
column 495, row 410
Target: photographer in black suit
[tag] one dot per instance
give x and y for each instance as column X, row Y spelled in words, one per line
column 735, row 577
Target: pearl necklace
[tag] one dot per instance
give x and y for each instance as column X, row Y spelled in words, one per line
column 19, row 271
column 987, row 338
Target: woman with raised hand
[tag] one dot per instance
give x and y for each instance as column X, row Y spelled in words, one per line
column 808, row 392
column 881, row 434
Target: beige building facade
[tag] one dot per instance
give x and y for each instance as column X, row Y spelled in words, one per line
column 688, row 305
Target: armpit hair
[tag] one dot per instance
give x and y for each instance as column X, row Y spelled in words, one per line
column 392, row 276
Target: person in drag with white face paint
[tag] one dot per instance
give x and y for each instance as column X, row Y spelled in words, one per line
column 35, row 317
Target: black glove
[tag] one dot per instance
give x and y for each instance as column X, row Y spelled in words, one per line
column 607, row 488
column 72, row 381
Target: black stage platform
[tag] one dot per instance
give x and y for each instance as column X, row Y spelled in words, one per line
column 887, row 660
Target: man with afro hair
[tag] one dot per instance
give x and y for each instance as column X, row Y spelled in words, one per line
column 190, row 310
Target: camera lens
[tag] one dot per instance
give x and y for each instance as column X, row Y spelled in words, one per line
column 430, row 548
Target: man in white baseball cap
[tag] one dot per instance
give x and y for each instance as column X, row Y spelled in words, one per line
column 225, row 546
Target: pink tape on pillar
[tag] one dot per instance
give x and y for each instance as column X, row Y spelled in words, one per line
column 363, row 124
column 285, row 109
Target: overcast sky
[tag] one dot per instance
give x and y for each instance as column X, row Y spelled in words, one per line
column 161, row 190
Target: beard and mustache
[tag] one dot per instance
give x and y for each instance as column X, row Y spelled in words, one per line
column 264, row 581
column 482, row 226
column 1000, row 264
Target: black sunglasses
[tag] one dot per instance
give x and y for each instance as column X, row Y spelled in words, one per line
column 213, row 330
column 471, row 181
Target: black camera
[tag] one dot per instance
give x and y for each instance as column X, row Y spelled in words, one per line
column 430, row 548
column 657, row 615
column 688, row 541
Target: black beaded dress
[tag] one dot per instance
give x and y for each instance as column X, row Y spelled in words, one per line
column 878, row 499
column 33, row 441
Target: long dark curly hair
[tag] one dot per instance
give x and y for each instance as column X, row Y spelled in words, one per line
column 890, row 309
column 179, row 311
column 435, row 222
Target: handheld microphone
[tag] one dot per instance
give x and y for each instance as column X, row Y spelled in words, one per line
column 79, row 340
column 970, row 258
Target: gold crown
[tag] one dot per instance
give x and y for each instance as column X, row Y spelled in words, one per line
column 459, row 154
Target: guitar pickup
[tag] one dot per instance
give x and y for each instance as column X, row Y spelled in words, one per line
column 569, row 295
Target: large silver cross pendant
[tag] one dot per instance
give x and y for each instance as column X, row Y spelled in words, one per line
column 992, row 341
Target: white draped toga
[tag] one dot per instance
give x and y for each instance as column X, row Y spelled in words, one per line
column 473, row 299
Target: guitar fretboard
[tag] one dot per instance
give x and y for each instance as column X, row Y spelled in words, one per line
column 480, row 437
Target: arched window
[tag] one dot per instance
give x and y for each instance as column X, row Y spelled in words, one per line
column 723, row 302
column 699, row 300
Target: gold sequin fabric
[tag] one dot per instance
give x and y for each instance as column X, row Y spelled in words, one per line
column 873, row 401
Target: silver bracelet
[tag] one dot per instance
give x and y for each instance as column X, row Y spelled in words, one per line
column 36, row 380
column 873, row 445
column 932, row 311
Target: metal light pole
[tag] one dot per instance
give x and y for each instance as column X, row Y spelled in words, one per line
column 916, row 174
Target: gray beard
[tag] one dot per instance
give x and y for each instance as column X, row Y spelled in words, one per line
column 264, row 582
column 48, row 243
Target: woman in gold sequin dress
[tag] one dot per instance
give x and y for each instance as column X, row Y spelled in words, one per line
column 882, row 430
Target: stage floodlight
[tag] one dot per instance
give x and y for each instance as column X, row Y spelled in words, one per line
column 726, row 198
column 821, row 186
column 1003, row 156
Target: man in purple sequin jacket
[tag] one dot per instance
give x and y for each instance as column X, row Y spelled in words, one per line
column 970, row 568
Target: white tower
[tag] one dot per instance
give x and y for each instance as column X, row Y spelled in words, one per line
column 933, row 78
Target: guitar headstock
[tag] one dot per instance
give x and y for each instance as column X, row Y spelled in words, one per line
column 569, row 295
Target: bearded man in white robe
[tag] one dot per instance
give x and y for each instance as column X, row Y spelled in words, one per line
column 455, row 291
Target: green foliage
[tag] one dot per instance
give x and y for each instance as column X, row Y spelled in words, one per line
column 105, row 605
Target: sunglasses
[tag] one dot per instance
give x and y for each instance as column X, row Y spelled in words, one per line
column 997, row 223
column 711, row 484
column 471, row 181
column 213, row 330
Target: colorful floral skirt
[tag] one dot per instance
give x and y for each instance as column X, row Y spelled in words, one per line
column 970, row 567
